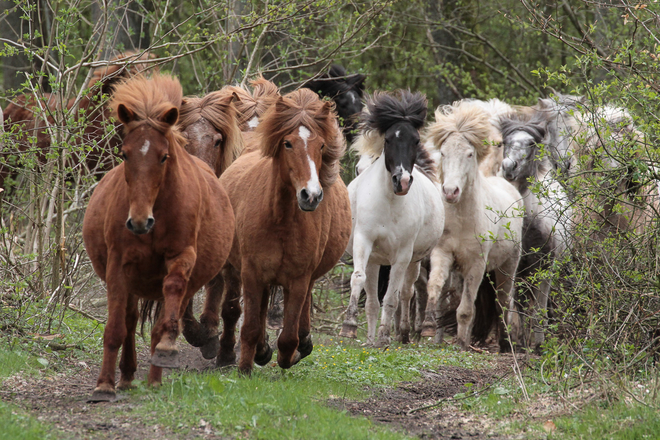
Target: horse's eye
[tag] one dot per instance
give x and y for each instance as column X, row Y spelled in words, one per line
column 322, row 147
column 123, row 156
column 288, row 145
column 164, row 158
column 469, row 154
column 218, row 143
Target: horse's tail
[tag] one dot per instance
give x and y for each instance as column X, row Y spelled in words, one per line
column 147, row 312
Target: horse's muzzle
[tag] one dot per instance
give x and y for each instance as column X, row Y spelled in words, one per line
column 139, row 228
column 308, row 200
column 402, row 183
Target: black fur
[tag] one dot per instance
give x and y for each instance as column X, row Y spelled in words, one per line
column 536, row 126
column 386, row 110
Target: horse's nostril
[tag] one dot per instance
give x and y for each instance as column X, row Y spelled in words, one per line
column 395, row 180
column 304, row 194
column 150, row 222
column 129, row 224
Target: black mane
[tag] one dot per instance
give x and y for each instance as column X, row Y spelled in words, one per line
column 336, row 82
column 385, row 110
column 536, row 126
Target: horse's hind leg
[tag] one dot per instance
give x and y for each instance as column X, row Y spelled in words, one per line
column 305, row 345
column 231, row 312
column 128, row 361
column 540, row 315
column 421, row 299
column 361, row 251
column 412, row 272
column 505, row 281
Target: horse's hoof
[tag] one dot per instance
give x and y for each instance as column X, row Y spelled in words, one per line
column 211, row 348
column 285, row 364
column 348, row 331
column 125, row 385
column 428, row 330
column 165, row 359
column 225, row 358
column 264, row 357
column 100, row 395
column 305, row 347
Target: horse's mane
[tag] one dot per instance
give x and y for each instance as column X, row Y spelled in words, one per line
column 149, row 99
column 304, row 107
column 109, row 75
column 382, row 112
column 465, row 119
column 336, row 82
column 535, row 125
column 218, row 109
column 250, row 105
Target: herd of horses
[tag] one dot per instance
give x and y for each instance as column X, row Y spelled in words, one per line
column 240, row 190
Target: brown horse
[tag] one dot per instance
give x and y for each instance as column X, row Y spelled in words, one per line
column 158, row 227
column 25, row 118
column 293, row 222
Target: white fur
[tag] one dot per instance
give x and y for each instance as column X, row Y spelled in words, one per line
column 390, row 230
column 145, row 148
column 304, row 134
column 482, row 233
column 254, row 122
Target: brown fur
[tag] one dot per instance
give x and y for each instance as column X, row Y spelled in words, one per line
column 187, row 244
column 218, row 110
column 276, row 243
column 252, row 104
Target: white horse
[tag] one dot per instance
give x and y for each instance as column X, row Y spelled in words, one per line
column 397, row 210
column 483, row 219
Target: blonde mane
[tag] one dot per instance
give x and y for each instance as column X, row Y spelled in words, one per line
column 304, row 107
column 218, row 109
column 463, row 119
column 149, row 99
column 250, row 105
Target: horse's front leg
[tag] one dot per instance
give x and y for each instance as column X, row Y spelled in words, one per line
column 372, row 305
column 441, row 262
column 361, row 252
column 391, row 299
column 407, row 290
column 465, row 311
column 305, row 345
column 204, row 334
column 115, row 332
column 175, row 300
column 128, row 361
column 295, row 297
column 255, row 307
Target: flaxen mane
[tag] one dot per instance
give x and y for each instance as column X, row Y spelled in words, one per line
column 304, row 107
column 462, row 119
column 149, row 99
column 383, row 111
column 218, row 109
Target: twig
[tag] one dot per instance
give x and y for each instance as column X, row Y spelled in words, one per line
column 85, row 314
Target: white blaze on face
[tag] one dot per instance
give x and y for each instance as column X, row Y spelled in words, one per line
column 145, row 148
column 353, row 99
column 397, row 133
column 254, row 122
column 313, row 185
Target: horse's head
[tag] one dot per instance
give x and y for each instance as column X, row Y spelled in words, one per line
column 211, row 128
column 148, row 109
column 521, row 138
column 460, row 133
column 398, row 120
column 301, row 134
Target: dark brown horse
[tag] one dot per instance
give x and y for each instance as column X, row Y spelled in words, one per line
column 158, row 227
column 293, row 222
column 29, row 117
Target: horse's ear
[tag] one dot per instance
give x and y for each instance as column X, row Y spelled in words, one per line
column 171, row 116
column 357, row 81
column 324, row 111
column 235, row 97
column 125, row 114
column 280, row 105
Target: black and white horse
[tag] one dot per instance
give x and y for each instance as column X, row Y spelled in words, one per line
column 548, row 214
column 346, row 91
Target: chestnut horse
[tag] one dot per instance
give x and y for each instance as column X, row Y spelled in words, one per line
column 293, row 221
column 158, row 227
column 25, row 117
